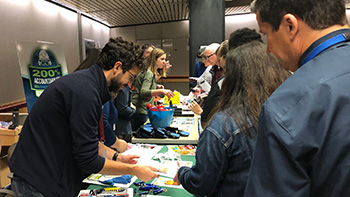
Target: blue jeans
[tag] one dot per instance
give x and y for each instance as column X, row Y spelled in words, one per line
column 138, row 120
column 23, row 189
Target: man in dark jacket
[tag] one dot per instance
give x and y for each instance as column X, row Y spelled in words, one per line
column 59, row 143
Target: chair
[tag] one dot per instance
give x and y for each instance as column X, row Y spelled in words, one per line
column 7, row 192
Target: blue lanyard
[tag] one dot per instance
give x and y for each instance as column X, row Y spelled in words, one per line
column 330, row 42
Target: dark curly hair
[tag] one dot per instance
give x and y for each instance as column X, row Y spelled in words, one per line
column 118, row 49
column 242, row 36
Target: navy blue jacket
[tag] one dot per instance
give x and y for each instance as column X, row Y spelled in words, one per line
column 58, row 145
column 303, row 144
column 223, row 159
column 199, row 69
column 110, row 115
column 122, row 102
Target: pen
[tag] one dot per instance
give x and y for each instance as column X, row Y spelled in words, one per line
column 122, row 195
column 117, row 189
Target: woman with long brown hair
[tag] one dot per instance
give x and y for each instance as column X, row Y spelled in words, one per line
column 226, row 145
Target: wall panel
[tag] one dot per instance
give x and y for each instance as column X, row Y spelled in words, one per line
column 33, row 20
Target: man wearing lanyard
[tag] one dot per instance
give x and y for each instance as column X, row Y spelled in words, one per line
column 303, row 145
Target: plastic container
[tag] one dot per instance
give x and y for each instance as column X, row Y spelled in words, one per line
column 161, row 119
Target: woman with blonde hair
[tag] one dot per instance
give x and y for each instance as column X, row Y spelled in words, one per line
column 146, row 87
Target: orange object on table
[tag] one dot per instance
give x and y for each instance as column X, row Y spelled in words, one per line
column 156, row 98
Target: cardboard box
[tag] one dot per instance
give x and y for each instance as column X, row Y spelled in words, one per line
column 4, row 169
column 8, row 136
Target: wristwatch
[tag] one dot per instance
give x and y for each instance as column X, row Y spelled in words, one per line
column 114, row 158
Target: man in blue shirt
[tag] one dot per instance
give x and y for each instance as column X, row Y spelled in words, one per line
column 59, row 143
column 199, row 66
column 304, row 129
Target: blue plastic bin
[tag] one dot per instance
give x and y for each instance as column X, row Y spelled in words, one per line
column 161, row 118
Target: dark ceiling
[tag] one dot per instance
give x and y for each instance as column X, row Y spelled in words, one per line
column 119, row 13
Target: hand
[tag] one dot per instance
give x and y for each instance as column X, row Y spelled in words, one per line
column 197, row 91
column 195, row 108
column 178, row 164
column 145, row 173
column 168, row 65
column 160, row 86
column 132, row 106
column 176, row 178
column 130, row 159
column 168, row 93
column 121, row 145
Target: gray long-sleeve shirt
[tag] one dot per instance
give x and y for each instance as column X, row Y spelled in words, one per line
column 144, row 84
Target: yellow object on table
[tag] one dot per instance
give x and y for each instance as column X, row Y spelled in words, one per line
column 174, row 100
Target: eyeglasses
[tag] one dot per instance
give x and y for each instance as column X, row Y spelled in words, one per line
column 207, row 57
column 131, row 76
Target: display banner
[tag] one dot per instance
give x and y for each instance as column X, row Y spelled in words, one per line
column 41, row 64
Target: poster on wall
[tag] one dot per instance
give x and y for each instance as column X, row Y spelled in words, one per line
column 41, row 63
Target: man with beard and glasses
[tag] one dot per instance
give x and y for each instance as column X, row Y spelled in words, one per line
column 109, row 111
column 59, row 143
